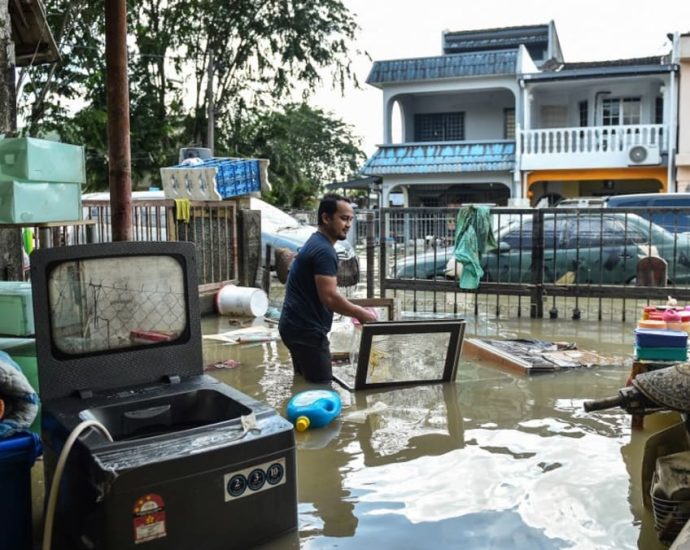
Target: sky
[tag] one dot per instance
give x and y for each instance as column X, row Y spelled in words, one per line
column 588, row 30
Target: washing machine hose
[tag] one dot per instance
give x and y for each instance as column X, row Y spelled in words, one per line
column 55, row 485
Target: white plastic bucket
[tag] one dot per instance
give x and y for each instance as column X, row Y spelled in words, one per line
column 241, row 300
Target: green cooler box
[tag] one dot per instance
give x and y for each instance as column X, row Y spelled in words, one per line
column 41, row 160
column 32, row 202
column 16, row 309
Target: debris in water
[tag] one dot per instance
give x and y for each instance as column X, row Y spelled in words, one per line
column 528, row 356
column 227, row 364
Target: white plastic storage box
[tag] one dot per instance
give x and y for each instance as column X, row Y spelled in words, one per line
column 16, row 309
column 28, row 202
column 41, row 160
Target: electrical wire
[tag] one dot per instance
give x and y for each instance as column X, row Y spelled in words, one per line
column 55, row 485
column 248, row 425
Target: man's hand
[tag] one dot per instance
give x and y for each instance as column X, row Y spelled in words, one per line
column 366, row 315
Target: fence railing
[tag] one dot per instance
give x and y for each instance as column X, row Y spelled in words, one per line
column 211, row 226
column 586, row 140
column 573, row 254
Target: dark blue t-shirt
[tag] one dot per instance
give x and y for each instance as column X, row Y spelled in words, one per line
column 302, row 310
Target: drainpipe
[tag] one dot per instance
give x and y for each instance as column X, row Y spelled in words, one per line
column 520, row 123
column 671, row 187
column 673, row 118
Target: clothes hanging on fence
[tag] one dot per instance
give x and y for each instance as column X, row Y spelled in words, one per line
column 473, row 237
column 183, row 209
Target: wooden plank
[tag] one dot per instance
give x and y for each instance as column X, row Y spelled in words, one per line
column 476, row 349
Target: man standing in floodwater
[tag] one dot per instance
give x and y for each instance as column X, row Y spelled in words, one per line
column 311, row 294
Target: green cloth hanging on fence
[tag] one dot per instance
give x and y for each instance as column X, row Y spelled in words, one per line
column 473, row 237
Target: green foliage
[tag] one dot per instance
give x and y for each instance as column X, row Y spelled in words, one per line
column 264, row 52
column 306, row 146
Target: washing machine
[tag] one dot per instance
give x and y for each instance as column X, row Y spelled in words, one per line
column 165, row 457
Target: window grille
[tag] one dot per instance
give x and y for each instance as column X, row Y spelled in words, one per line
column 439, row 127
column 509, row 123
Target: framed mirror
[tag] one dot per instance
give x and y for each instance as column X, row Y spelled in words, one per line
column 403, row 353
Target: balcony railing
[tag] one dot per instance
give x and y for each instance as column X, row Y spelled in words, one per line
column 592, row 147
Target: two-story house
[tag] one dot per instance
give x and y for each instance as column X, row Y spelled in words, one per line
column 500, row 117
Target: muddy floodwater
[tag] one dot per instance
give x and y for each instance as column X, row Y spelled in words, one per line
column 493, row 461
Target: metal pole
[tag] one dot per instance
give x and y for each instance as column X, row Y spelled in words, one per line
column 117, row 88
column 210, row 138
column 370, row 255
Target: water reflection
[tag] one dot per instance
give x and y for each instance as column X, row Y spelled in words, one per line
column 495, row 460
column 409, row 423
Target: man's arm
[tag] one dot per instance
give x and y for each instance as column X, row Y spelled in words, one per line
column 327, row 289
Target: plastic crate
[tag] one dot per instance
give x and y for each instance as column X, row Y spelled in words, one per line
column 661, row 354
column 651, row 338
column 235, row 177
column 16, row 309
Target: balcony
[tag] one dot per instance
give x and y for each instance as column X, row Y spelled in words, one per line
column 592, row 147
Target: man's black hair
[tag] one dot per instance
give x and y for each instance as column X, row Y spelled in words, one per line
column 329, row 205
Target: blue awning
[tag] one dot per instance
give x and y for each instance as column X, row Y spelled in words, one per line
column 441, row 158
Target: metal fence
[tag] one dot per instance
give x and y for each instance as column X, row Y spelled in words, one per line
column 211, row 226
column 591, row 262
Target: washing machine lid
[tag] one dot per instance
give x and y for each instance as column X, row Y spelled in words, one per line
column 112, row 315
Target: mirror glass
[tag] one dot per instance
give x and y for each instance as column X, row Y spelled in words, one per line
column 104, row 304
column 407, row 357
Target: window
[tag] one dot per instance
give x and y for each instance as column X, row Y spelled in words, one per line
column 520, row 236
column 588, row 233
column 508, row 123
column 659, row 110
column 596, row 232
column 583, row 113
column 439, row 127
column 621, row 111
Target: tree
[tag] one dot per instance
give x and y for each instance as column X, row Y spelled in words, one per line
column 271, row 49
column 10, row 239
column 306, row 146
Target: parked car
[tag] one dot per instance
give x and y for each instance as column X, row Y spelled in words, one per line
column 280, row 230
column 597, row 248
column 426, row 264
column 675, row 221
column 601, row 248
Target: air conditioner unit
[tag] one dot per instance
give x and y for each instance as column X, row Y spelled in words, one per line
column 643, row 154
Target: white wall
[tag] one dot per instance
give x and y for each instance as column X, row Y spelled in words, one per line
column 569, row 94
column 482, row 100
column 483, row 112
